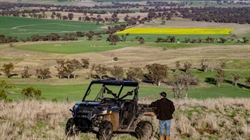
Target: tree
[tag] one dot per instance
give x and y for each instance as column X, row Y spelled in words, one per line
column 181, row 84
column 43, row 73
column 141, row 40
column 124, row 37
column 187, row 40
column 219, row 77
column 70, row 16
column 187, row 66
column 25, row 73
column 236, row 78
column 222, row 40
column 60, row 68
column 100, row 70
column 113, row 38
column 245, row 40
column 134, row 74
column 7, row 68
column 157, row 73
column 4, row 90
column 85, row 63
column 248, row 80
column 204, row 65
column 222, row 65
column 177, row 65
column 117, row 72
column 90, row 35
column 66, row 68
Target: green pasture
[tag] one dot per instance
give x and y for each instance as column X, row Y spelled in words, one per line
column 74, row 89
column 26, row 27
column 84, row 46
column 75, row 92
column 74, row 47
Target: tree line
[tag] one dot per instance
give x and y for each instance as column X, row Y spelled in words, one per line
column 159, row 10
column 180, row 79
column 114, row 38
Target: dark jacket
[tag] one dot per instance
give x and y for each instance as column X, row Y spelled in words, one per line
column 164, row 108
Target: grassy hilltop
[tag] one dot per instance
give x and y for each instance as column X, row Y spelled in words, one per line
column 212, row 119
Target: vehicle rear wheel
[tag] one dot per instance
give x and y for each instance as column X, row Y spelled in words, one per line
column 105, row 131
column 144, row 130
column 71, row 129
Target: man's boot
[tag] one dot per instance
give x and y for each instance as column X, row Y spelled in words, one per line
column 167, row 137
column 161, row 137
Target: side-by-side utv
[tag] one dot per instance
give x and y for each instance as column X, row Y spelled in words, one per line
column 110, row 106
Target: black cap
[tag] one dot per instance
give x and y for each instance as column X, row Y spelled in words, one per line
column 164, row 94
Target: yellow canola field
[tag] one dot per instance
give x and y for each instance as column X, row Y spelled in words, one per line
column 176, row 31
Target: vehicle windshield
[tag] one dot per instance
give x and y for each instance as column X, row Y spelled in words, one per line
column 98, row 92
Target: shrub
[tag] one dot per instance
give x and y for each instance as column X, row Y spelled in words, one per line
column 31, row 92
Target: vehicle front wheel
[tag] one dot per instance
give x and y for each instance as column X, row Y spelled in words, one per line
column 105, row 131
column 144, row 130
column 71, row 129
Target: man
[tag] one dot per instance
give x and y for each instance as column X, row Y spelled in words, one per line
column 164, row 108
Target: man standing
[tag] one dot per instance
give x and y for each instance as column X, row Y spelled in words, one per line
column 164, row 108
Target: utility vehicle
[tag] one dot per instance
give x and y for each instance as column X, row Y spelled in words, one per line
column 111, row 106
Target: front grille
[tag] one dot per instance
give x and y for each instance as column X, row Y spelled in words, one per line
column 84, row 112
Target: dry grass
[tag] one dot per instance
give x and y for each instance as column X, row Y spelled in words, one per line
column 194, row 119
column 128, row 57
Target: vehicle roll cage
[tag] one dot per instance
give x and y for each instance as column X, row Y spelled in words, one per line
column 115, row 83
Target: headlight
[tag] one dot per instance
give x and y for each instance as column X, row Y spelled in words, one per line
column 75, row 107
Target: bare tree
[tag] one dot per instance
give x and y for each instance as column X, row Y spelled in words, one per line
column 181, row 83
